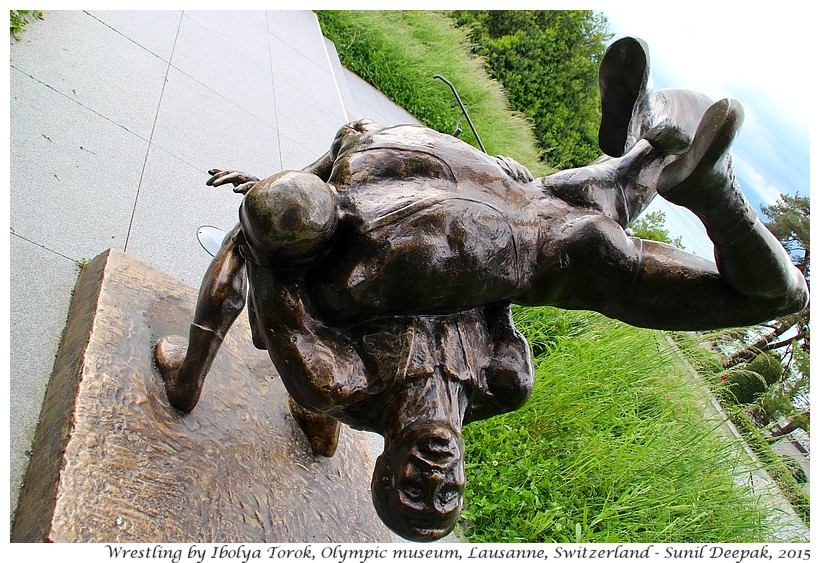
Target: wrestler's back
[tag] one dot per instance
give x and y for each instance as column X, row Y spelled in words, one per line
column 429, row 225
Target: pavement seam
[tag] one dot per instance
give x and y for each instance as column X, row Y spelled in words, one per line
column 79, row 103
column 86, row 12
column 273, row 90
column 13, row 233
column 151, row 137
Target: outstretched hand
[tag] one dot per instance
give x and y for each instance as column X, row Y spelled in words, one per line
column 242, row 182
column 514, row 169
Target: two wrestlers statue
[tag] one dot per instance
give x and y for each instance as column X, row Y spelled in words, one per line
column 379, row 278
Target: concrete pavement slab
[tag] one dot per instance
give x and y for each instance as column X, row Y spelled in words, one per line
column 307, row 123
column 226, row 69
column 173, row 203
column 207, row 130
column 246, row 30
column 295, row 156
column 372, row 104
column 87, row 61
column 365, row 102
column 300, row 29
column 40, row 288
column 311, row 125
column 339, row 73
column 154, row 30
column 74, row 174
column 294, row 72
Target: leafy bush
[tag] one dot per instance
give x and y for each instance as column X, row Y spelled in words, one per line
column 547, row 61
column 746, row 385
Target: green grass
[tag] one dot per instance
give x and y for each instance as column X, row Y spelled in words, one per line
column 611, row 447
column 399, row 52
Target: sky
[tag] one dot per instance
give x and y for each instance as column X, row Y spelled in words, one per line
column 760, row 57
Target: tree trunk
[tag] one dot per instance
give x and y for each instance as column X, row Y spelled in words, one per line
column 796, row 422
column 768, row 341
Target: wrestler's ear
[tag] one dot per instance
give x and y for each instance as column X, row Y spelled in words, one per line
column 622, row 79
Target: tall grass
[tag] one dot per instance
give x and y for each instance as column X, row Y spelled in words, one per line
column 399, row 52
column 711, row 370
column 611, row 447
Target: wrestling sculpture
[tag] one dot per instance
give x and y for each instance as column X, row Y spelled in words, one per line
column 379, row 278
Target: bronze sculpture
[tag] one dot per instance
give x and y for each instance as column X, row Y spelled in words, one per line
column 380, row 277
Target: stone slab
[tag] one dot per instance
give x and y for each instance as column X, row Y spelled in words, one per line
column 38, row 307
column 114, row 462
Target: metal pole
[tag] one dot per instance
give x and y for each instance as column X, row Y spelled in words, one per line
column 463, row 110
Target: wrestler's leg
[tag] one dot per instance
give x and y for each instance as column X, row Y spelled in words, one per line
column 656, row 285
column 748, row 255
column 322, row 431
column 640, row 128
column 221, row 298
column 618, row 188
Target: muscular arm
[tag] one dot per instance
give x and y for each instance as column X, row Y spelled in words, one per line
column 318, row 363
column 509, row 373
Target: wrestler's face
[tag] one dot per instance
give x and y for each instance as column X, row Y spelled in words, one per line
column 424, row 497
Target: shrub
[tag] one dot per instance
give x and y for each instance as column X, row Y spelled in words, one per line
column 746, row 385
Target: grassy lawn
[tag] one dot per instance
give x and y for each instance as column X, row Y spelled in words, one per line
column 611, row 447
column 399, row 52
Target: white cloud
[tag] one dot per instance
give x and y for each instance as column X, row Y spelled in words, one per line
column 752, row 179
column 725, row 51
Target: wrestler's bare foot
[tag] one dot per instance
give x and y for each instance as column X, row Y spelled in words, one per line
column 703, row 175
column 622, row 79
column 168, row 354
column 321, row 430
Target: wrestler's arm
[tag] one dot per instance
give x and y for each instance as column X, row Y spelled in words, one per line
column 221, row 299
column 509, row 374
column 243, row 182
column 317, row 362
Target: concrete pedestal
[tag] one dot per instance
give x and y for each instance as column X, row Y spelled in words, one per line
column 114, row 462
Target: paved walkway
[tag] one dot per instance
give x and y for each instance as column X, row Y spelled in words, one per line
column 116, row 118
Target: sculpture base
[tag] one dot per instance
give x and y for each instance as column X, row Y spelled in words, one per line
column 114, row 462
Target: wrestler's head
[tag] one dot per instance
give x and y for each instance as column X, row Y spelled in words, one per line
column 288, row 219
column 418, row 481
